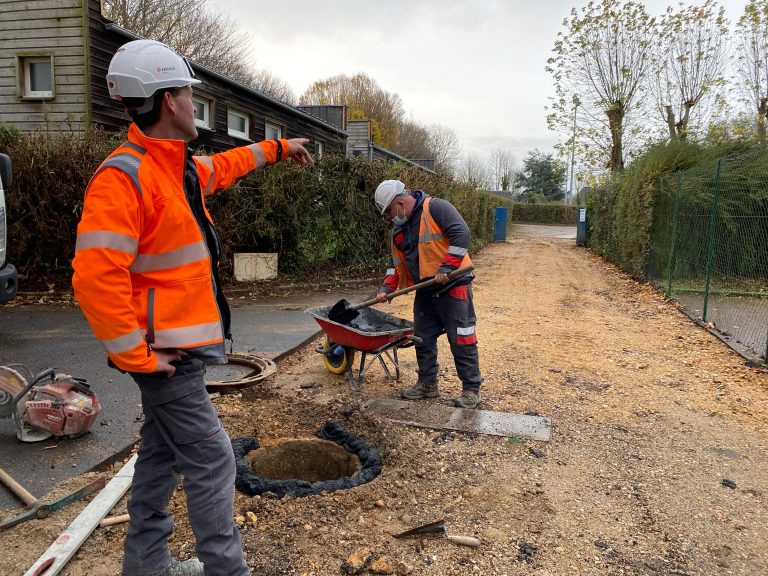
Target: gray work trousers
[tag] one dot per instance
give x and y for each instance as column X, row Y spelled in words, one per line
column 451, row 312
column 182, row 435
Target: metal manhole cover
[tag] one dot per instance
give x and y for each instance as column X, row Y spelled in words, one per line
column 243, row 371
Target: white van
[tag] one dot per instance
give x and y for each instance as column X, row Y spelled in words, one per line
column 8, row 276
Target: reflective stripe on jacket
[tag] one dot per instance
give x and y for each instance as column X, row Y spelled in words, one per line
column 434, row 251
column 142, row 269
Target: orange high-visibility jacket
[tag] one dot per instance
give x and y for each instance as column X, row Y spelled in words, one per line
column 434, row 250
column 143, row 275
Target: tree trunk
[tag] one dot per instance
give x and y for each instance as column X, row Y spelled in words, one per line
column 671, row 123
column 615, row 123
column 762, row 114
column 682, row 128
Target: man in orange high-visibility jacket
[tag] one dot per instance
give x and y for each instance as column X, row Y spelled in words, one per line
column 146, row 279
column 430, row 239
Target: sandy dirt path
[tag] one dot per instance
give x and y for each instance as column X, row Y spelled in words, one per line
column 658, row 462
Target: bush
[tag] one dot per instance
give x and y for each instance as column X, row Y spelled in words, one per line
column 550, row 213
column 314, row 217
column 628, row 213
column 45, row 201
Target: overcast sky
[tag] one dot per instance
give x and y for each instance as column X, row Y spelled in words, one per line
column 476, row 66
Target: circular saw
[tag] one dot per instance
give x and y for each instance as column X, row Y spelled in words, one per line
column 64, row 406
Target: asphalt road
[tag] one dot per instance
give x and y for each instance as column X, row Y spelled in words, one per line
column 46, row 336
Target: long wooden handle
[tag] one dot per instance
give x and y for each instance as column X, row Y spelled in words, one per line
column 17, row 488
column 112, row 520
column 451, row 276
column 464, row 540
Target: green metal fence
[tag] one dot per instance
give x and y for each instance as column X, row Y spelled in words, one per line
column 709, row 247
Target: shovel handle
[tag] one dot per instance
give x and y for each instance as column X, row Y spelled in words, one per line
column 464, row 540
column 17, row 488
column 390, row 296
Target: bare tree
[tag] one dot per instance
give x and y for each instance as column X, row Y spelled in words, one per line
column 751, row 37
column 445, row 147
column 602, row 57
column 412, row 140
column 474, row 171
column 502, row 166
column 206, row 36
column 365, row 99
column 691, row 58
column 434, row 142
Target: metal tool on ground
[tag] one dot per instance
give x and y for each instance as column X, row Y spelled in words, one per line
column 438, row 528
column 37, row 508
column 343, row 312
column 65, row 406
column 438, row 416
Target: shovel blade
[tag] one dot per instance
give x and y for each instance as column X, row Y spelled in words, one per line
column 431, row 528
column 342, row 312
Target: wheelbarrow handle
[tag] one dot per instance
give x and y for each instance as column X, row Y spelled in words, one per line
column 456, row 273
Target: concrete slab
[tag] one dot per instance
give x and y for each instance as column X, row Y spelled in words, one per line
column 441, row 417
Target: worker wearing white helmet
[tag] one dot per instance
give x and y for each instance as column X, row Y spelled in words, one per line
column 146, row 277
column 430, row 240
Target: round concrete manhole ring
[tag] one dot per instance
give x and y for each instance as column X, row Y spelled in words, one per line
column 242, row 371
column 335, row 460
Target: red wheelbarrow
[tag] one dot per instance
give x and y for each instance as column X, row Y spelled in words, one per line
column 372, row 332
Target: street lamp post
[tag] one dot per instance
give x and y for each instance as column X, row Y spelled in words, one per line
column 576, row 103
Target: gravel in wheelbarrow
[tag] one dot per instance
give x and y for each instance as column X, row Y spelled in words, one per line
column 371, row 330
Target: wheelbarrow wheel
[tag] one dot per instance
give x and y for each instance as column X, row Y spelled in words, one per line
column 335, row 362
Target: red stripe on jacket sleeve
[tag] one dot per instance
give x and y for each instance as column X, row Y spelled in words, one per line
column 452, row 261
column 391, row 282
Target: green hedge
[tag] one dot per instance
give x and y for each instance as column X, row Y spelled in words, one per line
column 550, row 213
column 315, row 218
column 628, row 212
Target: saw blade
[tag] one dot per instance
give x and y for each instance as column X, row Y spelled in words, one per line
column 11, row 383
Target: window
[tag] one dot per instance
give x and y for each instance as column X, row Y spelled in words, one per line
column 36, row 76
column 272, row 131
column 202, row 112
column 237, row 124
column 319, row 150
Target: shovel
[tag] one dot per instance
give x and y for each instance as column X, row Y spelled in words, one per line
column 439, row 528
column 343, row 312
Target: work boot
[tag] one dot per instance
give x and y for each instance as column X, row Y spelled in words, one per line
column 191, row 567
column 422, row 389
column 468, row 399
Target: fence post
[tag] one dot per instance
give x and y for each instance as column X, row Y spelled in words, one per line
column 675, row 216
column 711, row 246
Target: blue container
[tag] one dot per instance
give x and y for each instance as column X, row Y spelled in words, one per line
column 581, row 228
column 500, row 225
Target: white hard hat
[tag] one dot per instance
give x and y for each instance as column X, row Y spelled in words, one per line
column 386, row 192
column 142, row 67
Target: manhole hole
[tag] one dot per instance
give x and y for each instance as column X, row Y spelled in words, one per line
column 310, row 459
column 242, row 371
column 335, row 460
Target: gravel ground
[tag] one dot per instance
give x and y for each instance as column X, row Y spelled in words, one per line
column 657, row 464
